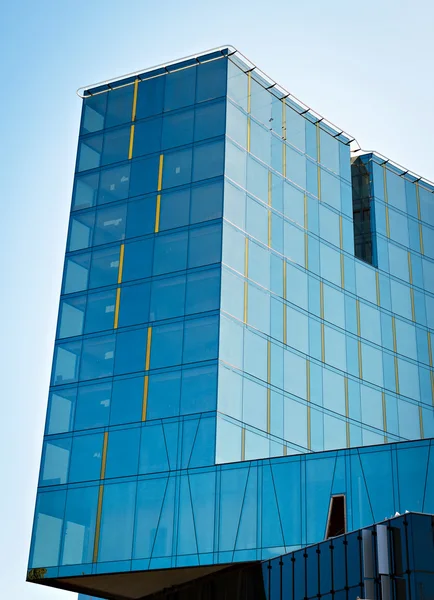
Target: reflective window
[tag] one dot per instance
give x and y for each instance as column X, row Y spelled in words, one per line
column 203, row 291
column 206, row 202
column 85, row 191
column 180, row 88
column 86, row 457
column 150, row 97
column 134, row 304
column 147, row 137
column 78, row 538
column 208, row 159
column 66, row 363
column 166, row 347
column 211, row 79
column 138, row 260
column 126, row 401
column 114, row 184
column 175, row 209
column 209, row 120
column 55, row 461
column 130, row 351
column 105, row 267
column 204, row 246
column 167, row 298
column 119, row 106
column 200, row 339
column 178, row 129
column 93, row 406
column 60, row 411
column 144, row 176
column 170, row 252
column 97, row 357
column 116, row 145
column 177, row 168
column 110, row 224
column 89, row 153
column 141, row 217
column 164, row 395
column 94, row 108
column 81, row 231
column 71, row 317
column 47, row 530
column 117, row 520
column 100, row 311
column 123, row 452
column 198, row 390
column 76, row 273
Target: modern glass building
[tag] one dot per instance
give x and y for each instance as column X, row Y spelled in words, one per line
column 244, row 357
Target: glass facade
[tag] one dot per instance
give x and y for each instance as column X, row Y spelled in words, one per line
column 239, row 295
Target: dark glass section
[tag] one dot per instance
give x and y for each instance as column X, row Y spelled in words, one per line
column 362, row 211
column 336, row 520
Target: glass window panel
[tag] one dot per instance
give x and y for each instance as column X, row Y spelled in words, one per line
column 138, row 260
column 231, row 342
column 335, row 352
column 334, row 306
column 294, row 374
column 230, row 393
column 370, row 325
column 295, row 129
column 211, row 80
column 180, row 88
column 60, row 413
column 116, row 145
column 167, row 298
column 372, row 365
column 255, row 404
column 170, row 253
column 401, row 301
column 147, row 137
column 78, row 538
column 208, row 160
column 333, row 391
column 203, row 291
column 297, row 330
column 76, row 273
column 408, row 415
column 177, row 168
column 110, row 224
column 100, row 311
column 209, row 120
column 255, row 355
column 178, row 129
column 260, row 142
column 86, row 457
column 330, row 264
column 294, row 246
column 144, row 176
column 204, row 246
column 329, row 151
column 66, row 363
column 166, row 349
column 117, row 521
column 85, row 191
column 198, row 390
column 237, row 85
column 206, row 202
column 97, row 357
column 296, row 285
column 296, row 167
column 153, row 453
column 372, row 408
column 232, row 295
column 398, row 262
column 141, row 217
column 408, row 379
column 71, row 317
column 329, row 225
column 114, row 184
column 55, row 461
column 150, row 94
column 93, row 406
column 200, row 339
column 398, row 227
column 130, row 351
column 126, row 402
column 105, row 267
column 236, row 124
column 134, row 304
column 94, row 108
column 175, row 209
column 89, row 153
column 426, row 198
column 47, row 531
column 293, row 203
column 259, row 264
column 258, row 309
column 119, row 106
column 81, row 231
column 330, row 189
column 260, row 100
column 406, row 339
column 235, row 164
column 295, row 422
column 233, row 248
column 396, row 190
column 164, row 395
column 123, row 453
column 257, row 179
column 428, row 275
column 257, row 220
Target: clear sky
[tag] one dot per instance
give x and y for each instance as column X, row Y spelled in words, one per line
column 367, row 67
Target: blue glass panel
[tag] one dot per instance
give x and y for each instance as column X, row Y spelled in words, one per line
column 123, row 452
column 126, row 402
column 66, row 363
column 180, row 88
column 116, row 145
column 89, row 153
column 105, row 267
column 85, row 191
column 377, row 471
column 134, row 304
column 319, row 474
column 141, row 217
column 130, row 351
column 203, row 452
column 164, row 535
column 211, row 80
column 200, row 339
column 100, row 311
column 71, row 317
column 208, row 160
column 60, row 412
column 78, row 538
column 178, row 129
column 55, row 461
column 138, row 260
column 209, row 120
column 110, row 224
column 175, row 209
column 97, row 357
column 76, row 273
column 167, row 298
column 117, row 520
column 153, row 453
column 166, row 347
column 150, row 496
column 170, row 252
column 47, row 529
column 203, row 291
column 199, row 390
column 93, row 406
column 114, row 184
column 147, row 137
column 144, row 175
column 202, row 487
column 206, row 202
column 233, row 486
column 119, row 106
column 93, row 113
column 272, row 531
column 86, row 458
column 164, row 395
column 150, row 97
column 186, row 543
column 204, row 245
column 81, row 230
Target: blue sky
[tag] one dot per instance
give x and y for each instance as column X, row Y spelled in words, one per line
column 367, row 67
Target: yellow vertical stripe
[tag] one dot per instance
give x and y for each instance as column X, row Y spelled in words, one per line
column 422, row 248
column 145, row 397
column 347, row 412
column 283, row 120
column 104, row 455
column 341, row 233
column 396, row 375
column 358, row 317
column 342, row 271
column 284, row 158
column 359, row 352
column 157, row 214
column 321, row 299
column 148, row 349
column 117, row 305
column 432, row 386
column 121, row 262
column 383, row 402
column 248, row 134
column 285, row 450
column 413, row 309
column 131, row 146
column 98, row 524
column 418, row 201
column 322, row 343
column 160, row 172
column 387, row 222
column 386, row 199
column 306, row 251
column 305, row 212
column 394, row 333
column 377, row 287
column 243, row 444
column 410, row 268
column 318, row 154
column 422, row 434
column 430, row 354
column 134, row 109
